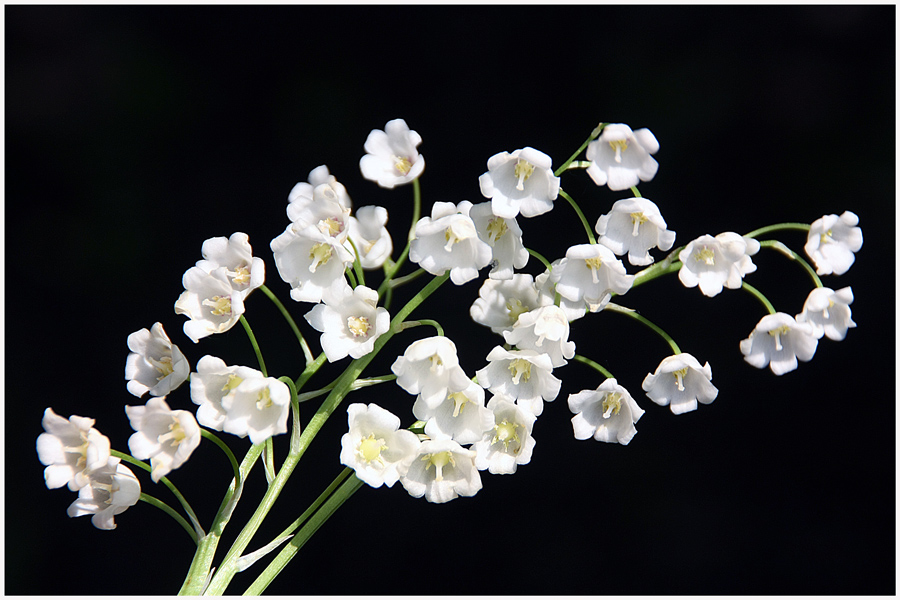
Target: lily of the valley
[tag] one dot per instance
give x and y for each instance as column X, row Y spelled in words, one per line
column 210, row 302
column 681, row 382
column 462, row 415
column 311, row 262
column 832, row 242
column 828, row 312
column 441, row 471
column 520, row 182
column 375, row 446
column 448, row 240
column 71, row 449
column 302, row 192
column 391, row 157
column 607, row 414
column 523, row 375
column 545, row 330
column 370, row 236
column 634, row 226
column 508, row 442
column 620, row 157
column 430, row 368
column 779, row 341
column 167, row 437
column 155, row 364
column 504, row 236
column 590, row 273
column 234, row 255
column 350, row 322
column 500, row 302
column 111, row 490
column 716, row 262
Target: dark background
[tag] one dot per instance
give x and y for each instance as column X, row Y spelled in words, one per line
column 133, row 134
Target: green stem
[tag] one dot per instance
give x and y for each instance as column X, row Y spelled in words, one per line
column 642, row 319
column 776, row 245
column 669, row 264
column 584, row 222
column 590, row 363
column 259, row 358
column 543, row 260
column 172, row 513
column 759, row 297
column 395, row 283
column 303, row 345
column 778, row 227
column 209, row 435
column 309, row 371
column 417, row 211
column 349, row 273
column 635, row 191
column 358, row 384
column 435, row 324
column 357, row 265
column 594, row 135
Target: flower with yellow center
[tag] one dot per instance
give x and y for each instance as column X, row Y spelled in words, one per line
column 508, row 442
column 391, row 157
column 167, row 437
column 607, row 414
column 375, row 446
column 680, row 382
column 714, row 263
column 522, row 375
column 520, row 182
column 350, row 322
column 620, row 157
column 155, row 364
column 444, row 471
column 787, row 342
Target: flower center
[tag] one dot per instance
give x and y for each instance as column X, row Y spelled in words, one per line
column 826, row 237
column 459, row 402
column 619, row 146
column 436, row 363
column 506, row 433
column 240, row 276
column 330, row 226
column 163, row 366
column 176, row 433
column 705, row 254
column 612, row 404
column 320, row 254
column 232, row 382
column 520, row 369
column 496, row 228
column 777, row 333
column 219, row 305
column 263, row 399
column 515, row 308
column 680, row 374
column 637, row 219
column 358, row 326
column 370, row 449
column 459, row 230
column 594, row 265
column 402, row 164
column 439, row 460
column 523, row 171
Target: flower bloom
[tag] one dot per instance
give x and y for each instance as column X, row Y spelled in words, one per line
column 621, row 157
column 312, row 262
column 350, row 322
column 500, row 302
column 155, row 364
column 828, row 312
column 523, row 375
column 210, row 302
column 442, row 471
column 504, row 236
column 462, row 415
column 520, row 182
column 375, row 446
column 778, row 341
column 324, row 214
column 111, row 490
column 607, row 414
column 714, row 262
column 448, row 239
column 234, row 255
column 167, row 437
column 680, row 382
column 590, row 273
column 371, row 237
column 71, row 449
column 546, row 330
column 831, row 242
column 302, row 192
column 508, row 442
column 391, row 157
column 634, row 226
column 430, row 367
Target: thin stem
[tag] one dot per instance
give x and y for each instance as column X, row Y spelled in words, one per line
column 777, row 227
column 584, row 222
column 357, row 265
column 635, row 191
column 417, row 211
column 776, row 245
column 594, row 135
column 435, row 324
column 358, row 384
column 669, row 264
column 543, row 260
column 259, row 358
column 209, row 435
column 269, row 460
column 759, row 297
column 309, row 371
column 349, row 273
column 303, row 345
column 590, row 363
column 642, row 319
column 395, row 283
column 172, row 513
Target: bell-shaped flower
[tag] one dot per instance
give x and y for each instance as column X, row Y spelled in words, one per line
column 546, row 330
column 167, row 437
column 302, row 193
column 370, row 236
column 111, row 490
column 391, row 157
column 350, row 322
column 243, row 271
column 607, row 414
column 523, row 375
column 714, row 262
column 547, row 296
column 324, row 214
column 680, row 382
column 832, row 241
column 211, row 383
column 508, row 442
column 312, row 262
column 634, row 226
column 375, row 446
column 210, row 302
column 504, row 236
column 778, row 341
column 71, row 449
column 828, row 312
column 592, row 273
column 521, row 182
column 461, row 416
column 155, row 364
column 500, row 302
column 430, row 368
column 448, row 239
column 620, row 157
column 442, row 471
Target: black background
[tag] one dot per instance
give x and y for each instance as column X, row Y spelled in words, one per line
column 133, row 134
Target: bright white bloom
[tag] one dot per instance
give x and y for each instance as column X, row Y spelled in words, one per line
column 680, row 382
column 155, row 364
column 573, row 309
column 508, row 442
column 325, row 214
column 828, row 312
column 375, row 446
column 523, row 375
column 448, row 240
column 111, row 490
column 714, row 262
column 302, row 192
column 371, row 237
column 546, row 330
column 607, row 414
column 500, row 302
column 442, row 471
column 391, row 157
column 211, row 383
column 778, row 341
column 461, row 416
column 210, row 302
column 312, row 262
column 520, row 182
column 71, row 449
column 504, row 236
column 350, row 322
column 244, row 272
column 634, row 226
column 430, row 368
column 167, row 437
column 592, row 273
column 831, row 242
column 621, row 157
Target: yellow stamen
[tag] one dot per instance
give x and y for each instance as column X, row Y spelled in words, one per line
column 523, row 171
column 220, row 305
column 358, row 326
column 520, row 370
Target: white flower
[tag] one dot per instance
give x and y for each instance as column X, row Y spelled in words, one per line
column 714, row 262
column 547, row 296
column 592, row 273
column 461, row 416
column 111, row 490
column 680, row 382
column 311, row 262
column 778, row 341
column 375, row 446
column 831, row 242
column 621, row 157
column 508, row 442
column 546, row 330
column 70, row 448
column 210, row 302
column 523, row 375
column 442, row 471
column 828, row 312
column 371, row 237
column 448, row 240
column 607, row 414
column 634, row 226
column 303, row 192
column 167, row 437
column 391, row 157
column 520, row 182
column 504, row 236
column 244, row 272
column 155, row 364
column 350, row 322
column 500, row 302
column 430, row 367
column 324, row 213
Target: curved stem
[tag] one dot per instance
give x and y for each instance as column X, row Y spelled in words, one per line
column 635, row 191
column 642, row 319
column 540, row 257
column 594, row 365
column 357, row 266
column 172, row 513
column 594, row 135
column 303, row 345
column 669, row 264
column 759, row 296
column 395, row 283
column 587, row 227
column 778, row 227
column 309, row 371
column 259, row 358
column 435, row 324
column 776, row 245
column 215, row 439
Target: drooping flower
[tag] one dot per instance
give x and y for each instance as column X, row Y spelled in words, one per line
column 500, row 302
column 832, row 241
column 461, row 416
column 521, row 182
column 210, row 302
column 302, row 192
column 523, row 375
column 828, row 312
column 155, row 364
column 607, row 414
column 714, row 262
column 442, row 471
column 71, row 449
column 375, row 446
column 621, row 157
column 324, row 214
column 111, row 490
column 778, row 341
column 680, row 382
column 350, row 322
column 508, row 442
column 312, row 262
column 371, row 237
column 167, row 437
column 504, row 236
column 592, row 273
column 634, row 226
column 430, row 368
column 391, row 157
column 547, row 295
column 243, row 271
column 448, row 240
column 545, row 330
